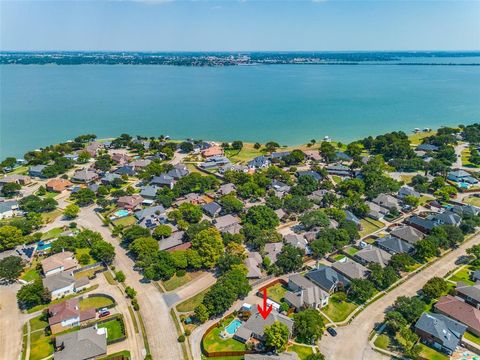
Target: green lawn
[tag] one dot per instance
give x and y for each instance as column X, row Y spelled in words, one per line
column 382, row 342
column 50, row 194
column 115, row 328
column 109, row 277
column 472, row 200
column 80, row 252
column 19, row 170
column 191, row 303
column 95, row 302
column 351, row 250
column 52, row 234
column 416, row 139
column 462, row 275
column 124, row 353
column 302, row 351
column 276, row 292
column 424, row 199
column 338, row 310
column 48, row 217
column 213, row 342
column 247, row 153
column 86, row 273
column 175, row 281
column 40, row 346
column 37, row 323
column 338, row 257
column 473, row 338
column 369, row 226
column 56, row 301
column 125, row 221
column 31, row 273
column 336, row 179
column 432, row 354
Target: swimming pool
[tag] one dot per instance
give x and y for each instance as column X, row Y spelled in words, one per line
column 41, row 246
column 121, row 213
column 233, row 327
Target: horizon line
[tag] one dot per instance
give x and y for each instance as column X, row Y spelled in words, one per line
column 244, row 51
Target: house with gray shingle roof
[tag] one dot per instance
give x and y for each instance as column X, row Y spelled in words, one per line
column 407, row 191
column 372, row 254
column 394, row 245
column 469, row 293
column 253, row 263
column 311, row 173
column 259, row 162
column 226, row 189
column 149, row 192
column 173, row 240
column 304, row 293
column 212, row 209
column 351, row 269
column 84, row 176
column 448, row 218
column 88, row 343
column 254, row 327
column 408, row 234
column 386, row 201
column 108, row 178
column 37, row 171
column 440, row 331
column 272, row 250
column 461, row 176
column 298, row 241
column 178, row 171
column 163, row 180
column 8, row 209
column 327, row 278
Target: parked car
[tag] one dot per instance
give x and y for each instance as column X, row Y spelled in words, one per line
column 103, row 314
column 332, row 331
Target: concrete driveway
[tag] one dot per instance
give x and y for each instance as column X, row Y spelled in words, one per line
column 352, row 340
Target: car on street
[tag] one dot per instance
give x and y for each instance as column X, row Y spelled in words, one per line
column 332, row 331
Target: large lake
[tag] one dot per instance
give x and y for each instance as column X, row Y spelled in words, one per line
column 291, row 104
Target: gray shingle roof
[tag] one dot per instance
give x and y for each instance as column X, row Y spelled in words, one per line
column 373, row 254
column 395, row 245
column 351, row 269
column 407, row 233
column 80, row 345
column 447, row 331
column 327, row 278
column 212, row 208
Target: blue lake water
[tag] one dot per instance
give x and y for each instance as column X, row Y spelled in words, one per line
column 291, row 104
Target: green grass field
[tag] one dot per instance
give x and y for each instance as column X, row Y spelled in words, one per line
column 175, row 281
column 95, row 302
column 115, row 328
column 191, row 303
column 37, row 323
column 31, row 273
column 80, row 252
column 462, row 275
column 247, row 153
column 472, row 200
column 382, row 342
column 276, row 292
column 416, row 139
column 431, row 354
column 473, row 338
column 338, row 310
column 125, row 221
column 52, row 234
column 369, row 226
column 213, row 342
column 40, row 346
column 302, row 351
column 51, row 216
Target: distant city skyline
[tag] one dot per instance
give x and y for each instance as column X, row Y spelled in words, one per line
column 239, row 26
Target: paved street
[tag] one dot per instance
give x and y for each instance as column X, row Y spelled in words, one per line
column 352, row 340
column 11, row 322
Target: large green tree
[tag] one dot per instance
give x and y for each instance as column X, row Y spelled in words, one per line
column 276, row 336
column 308, row 326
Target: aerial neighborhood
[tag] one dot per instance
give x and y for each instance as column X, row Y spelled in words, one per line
column 135, row 247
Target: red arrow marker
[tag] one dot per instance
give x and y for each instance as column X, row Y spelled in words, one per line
column 265, row 311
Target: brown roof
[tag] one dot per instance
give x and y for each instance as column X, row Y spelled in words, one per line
column 460, row 311
column 68, row 309
column 212, row 151
column 130, row 201
column 58, row 185
column 64, row 259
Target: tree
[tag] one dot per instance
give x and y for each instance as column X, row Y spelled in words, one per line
column 33, row 203
column 231, row 204
column 446, row 192
column 10, row 189
column 308, row 326
column 262, row 216
column 209, row 246
column 190, row 213
column 162, row 231
column 103, row 251
column 144, row 247
column 120, row 276
column 321, row 247
column 11, row 267
column 361, row 290
column 257, row 145
column 316, row 356
column 276, row 336
column 411, row 200
column 410, row 308
column 10, row 236
column 394, row 321
column 201, row 313
column 290, row 259
column 327, row 150
column 435, row 287
column 186, row 147
column 84, row 259
column 161, row 268
column 426, row 248
column 382, row 277
column 31, row 295
column 71, row 211
column 237, row 145
column 401, row 261
column 296, row 203
column 314, row 218
column 135, row 232
column 83, row 157
column 84, row 197
column 271, row 146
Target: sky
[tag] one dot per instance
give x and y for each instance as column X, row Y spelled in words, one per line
column 245, row 25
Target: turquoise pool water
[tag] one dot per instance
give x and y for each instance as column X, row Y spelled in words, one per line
column 41, row 246
column 233, row 327
column 121, row 213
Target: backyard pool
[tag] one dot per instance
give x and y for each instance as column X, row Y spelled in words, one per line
column 232, row 328
column 121, row 213
column 41, row 246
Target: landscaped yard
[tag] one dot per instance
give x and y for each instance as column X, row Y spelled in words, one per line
column 472, row 200
column 350, row 250
column 175, row 281
column 95, row 302
column 115, row 328
column 109, row 277
column 56, row 301
column 472, row 337
column 192, row 303
column 338, row 257
column 213, row 342
column 336, row 179
column 338, row 310
column 87, row 273
column 369, row 226
column 31, row 273
column 247, row 153
column 276, row 292
column 416, row 138
column 462, row 275
column 382, row 341
column 302, row 351
column 40, row 346
column 37, row 323
column 80, row 252
column 424, row 199
column 431, row 354
column 48, row 217
column 125, row 221
column 52, row 234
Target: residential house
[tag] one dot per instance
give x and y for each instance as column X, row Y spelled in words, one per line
column 272, row 250
column 16, row 179
column 408, row 234
column 280, row 186
column 151, row 217
column 212, row 209
column 121, row 159
column 232, row 167
column 253, row 263
column 351, row 269
column 376, row 212
column 129, row 202
column 254, row 327
column 163, row 180
column 149, row 192
column 460, row 311
column 469, row 293
column 37, row 171
column 386, row 201
column 317, row 195
column 447, row 218
column 311, row 173
column 212, row 151
column 178, row 171
column 84, row 176
column 226, row 189
column 339, row 169
column 372, row 254
column 228, row 224
column 63, row 261
column 281, row 214
column 140, row 164
column 93, row 148
column 298, row 241
column 57, row 185
column 440, row 332
column 173, row 240
column 349, row 216
column 427, row 147
column 328, row 279
column 63, row 283
column 425, row 225
column 305, row 294
column 259, row 162
column 313, row 155
column 463, row 209
column 475, row 275
column 461, row 176
column 341, row 156
column 407, row 191
column 109, row 178
column 67, row 314
column 84, row 344
column 215, row 162
column 279, row 155
column 9, row 209
column 126, row 170
column 394, row 245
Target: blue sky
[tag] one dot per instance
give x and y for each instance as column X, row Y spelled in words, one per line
column 162, row 25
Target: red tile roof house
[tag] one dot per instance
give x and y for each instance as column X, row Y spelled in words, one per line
column 129, row 202
column 462, row 312
column 67, row 314
column 212, row 151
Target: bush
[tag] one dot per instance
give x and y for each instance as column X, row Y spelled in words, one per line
column 187, row 332
column 181, row 272
column 120, row 276
column 135, row 305
column 131, row 293
column 181, row 338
